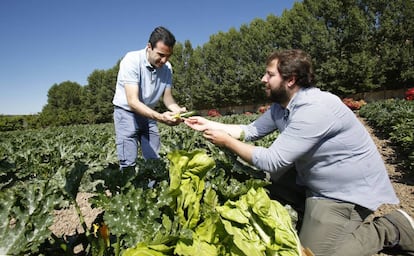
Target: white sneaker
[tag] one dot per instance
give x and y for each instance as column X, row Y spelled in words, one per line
column 408, row 217
column 405, row 225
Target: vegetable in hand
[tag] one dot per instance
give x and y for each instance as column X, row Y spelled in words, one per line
column 185, row 114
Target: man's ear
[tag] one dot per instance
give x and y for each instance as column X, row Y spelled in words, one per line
column 149, row 46
column 291, row 81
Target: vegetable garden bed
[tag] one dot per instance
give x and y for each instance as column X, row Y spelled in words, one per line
column 45, row 171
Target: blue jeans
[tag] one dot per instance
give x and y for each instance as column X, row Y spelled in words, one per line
column 133, row 130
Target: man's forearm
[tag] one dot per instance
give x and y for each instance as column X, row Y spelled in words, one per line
column 233, row 130
column 174, row 107
column 244, row 150
column 144, row 110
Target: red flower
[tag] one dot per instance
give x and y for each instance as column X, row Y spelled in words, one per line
column 263, row 109
column 213, row 113
column 409, row 94
column 353, row 104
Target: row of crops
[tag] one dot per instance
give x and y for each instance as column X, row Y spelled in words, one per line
column 394, row 119
column 202, row 200
column 197, row 204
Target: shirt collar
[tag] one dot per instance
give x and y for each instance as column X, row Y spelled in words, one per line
column 292, row 103
column 150, row 68
column 147, row 64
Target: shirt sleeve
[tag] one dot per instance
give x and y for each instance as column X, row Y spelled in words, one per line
column 169, row 76
column 260, row 127
column 129, row 70
column 307, row 127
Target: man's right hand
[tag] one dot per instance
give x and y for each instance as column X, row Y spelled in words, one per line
column 197, row 123
column 169, row 119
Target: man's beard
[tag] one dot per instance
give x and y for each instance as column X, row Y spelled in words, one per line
column 279, row 95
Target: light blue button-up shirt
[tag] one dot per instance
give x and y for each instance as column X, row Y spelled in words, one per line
column 333, row 153
column 134, row 69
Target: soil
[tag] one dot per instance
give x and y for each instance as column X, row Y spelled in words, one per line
column 402, row 181
column 67, row 222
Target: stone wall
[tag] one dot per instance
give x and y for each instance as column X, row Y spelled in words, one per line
column 366, row 96
column 253, row 108
column 380, row 95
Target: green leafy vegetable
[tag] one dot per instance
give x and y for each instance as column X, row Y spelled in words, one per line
column 253, row 224
column 187, row 170
column 259, row 225
column 185, row 114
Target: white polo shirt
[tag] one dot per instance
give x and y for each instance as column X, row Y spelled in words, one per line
column 135, row 69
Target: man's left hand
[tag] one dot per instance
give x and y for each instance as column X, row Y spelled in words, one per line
column 217, row 137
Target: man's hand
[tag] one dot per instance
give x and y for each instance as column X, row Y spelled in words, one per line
column 217, row 137
column 197, row 123
column 183, row 115
column 168, row 118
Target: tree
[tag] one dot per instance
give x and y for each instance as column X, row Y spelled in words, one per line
column 340, row 44
column 256, row 44
column 356, row 45
column 184, row 78
column 202, row 96
column 394, row 30
column 63, row 105
column 98, row 95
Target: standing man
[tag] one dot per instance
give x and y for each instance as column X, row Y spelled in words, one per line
column 144, row 77
column 337, row 164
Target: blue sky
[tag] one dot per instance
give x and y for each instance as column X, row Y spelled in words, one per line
column 47, row 42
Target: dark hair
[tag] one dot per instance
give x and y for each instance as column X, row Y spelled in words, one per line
column 161, row 34
column 294, row 63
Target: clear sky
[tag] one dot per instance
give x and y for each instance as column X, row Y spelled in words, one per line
column 47, row 42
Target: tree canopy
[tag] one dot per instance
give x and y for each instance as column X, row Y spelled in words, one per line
column 356, row 45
